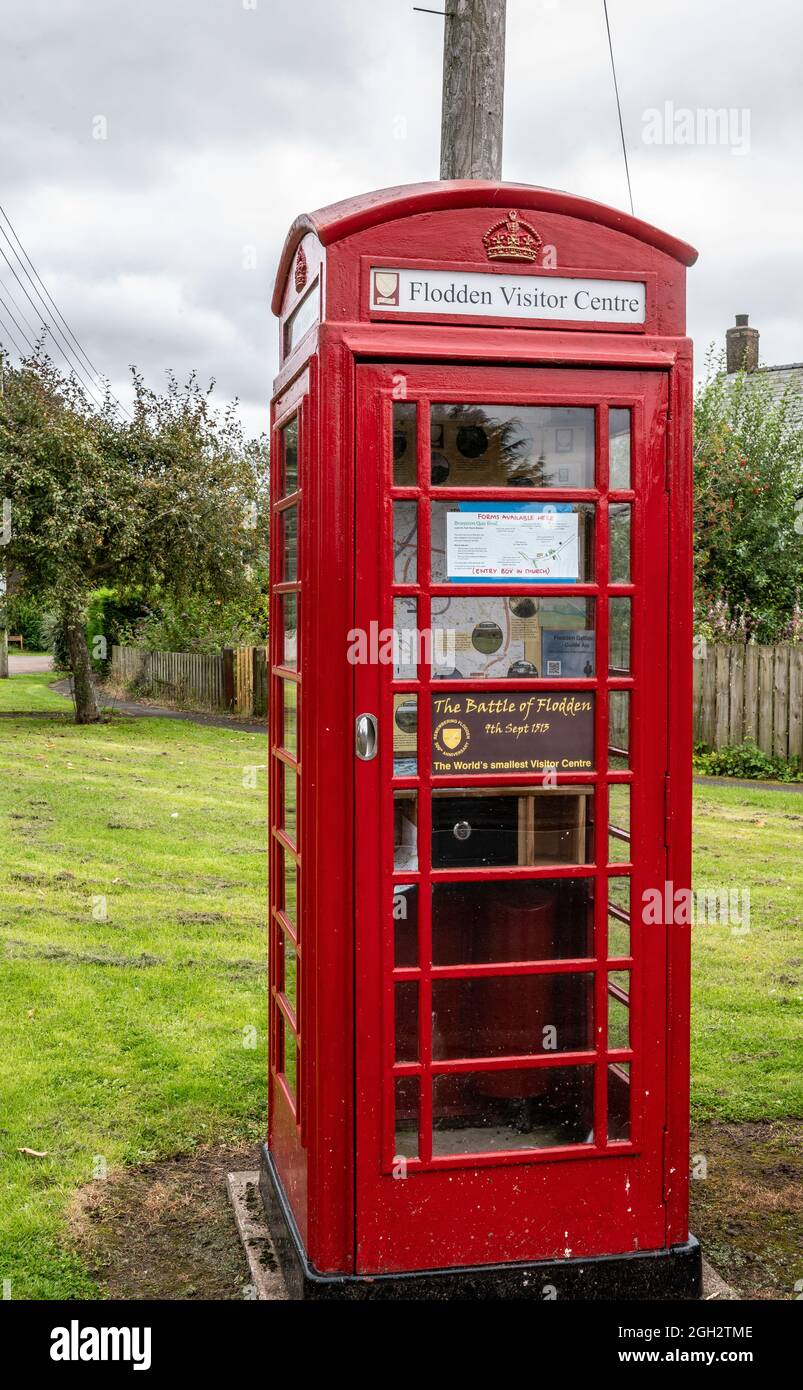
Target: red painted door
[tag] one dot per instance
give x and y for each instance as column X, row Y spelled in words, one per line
column 511, row 642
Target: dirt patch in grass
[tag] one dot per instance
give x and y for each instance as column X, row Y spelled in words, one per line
column 748, row 1211
column 22, row 950
column 165, row 1230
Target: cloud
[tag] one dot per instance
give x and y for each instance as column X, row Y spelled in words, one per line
column 223, row 121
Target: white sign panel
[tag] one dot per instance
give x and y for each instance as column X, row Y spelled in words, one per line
column 569, row 299
column 491, row 542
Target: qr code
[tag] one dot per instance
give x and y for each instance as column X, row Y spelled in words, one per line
column 553, row 668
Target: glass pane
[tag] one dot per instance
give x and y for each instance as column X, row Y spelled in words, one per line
column 619, row 1009
column 512, row 446
column 619, row 448
column 290, row 903
column 512, row 1015
column 619, row 917
column 405, row 733
column 524, row 1108
column 619, row 635
column 289, row 436
column 512, row 542
column 619, row 980
column 288, row 791
column 618, row 823
column 405, row 928
column 405, row 542
column 289, row 524
column 619, row 730
column 289, row 970
column 405, row 639
column 289, row 731
column 305, row 314
column 514, row 637
column 405, row 830
column 406, row 1001
column 619, row 893
column 509, row 826
column 407, row 1108
column 619, row 514
column 405, row 473
column 289, row 1056
column 619, row 1101
column 618, row 936
column 537, row 919
column 288, row 618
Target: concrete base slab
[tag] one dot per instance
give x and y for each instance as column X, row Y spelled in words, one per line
column 266, row 1277
column 249, row 1214
column 714, row 1286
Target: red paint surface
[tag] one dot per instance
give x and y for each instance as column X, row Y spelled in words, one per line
column 333, row 1153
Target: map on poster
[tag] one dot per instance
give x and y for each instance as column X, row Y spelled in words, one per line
column 516, row 542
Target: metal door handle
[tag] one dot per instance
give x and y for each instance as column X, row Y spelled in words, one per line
column 366, row 737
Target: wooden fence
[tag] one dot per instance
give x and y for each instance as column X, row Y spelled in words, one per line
column 750, row 692
column 234, row 680
column 740, row 692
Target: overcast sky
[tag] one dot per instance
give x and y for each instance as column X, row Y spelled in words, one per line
column 225, row 118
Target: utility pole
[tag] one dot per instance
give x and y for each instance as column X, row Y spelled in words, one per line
column 473, row 89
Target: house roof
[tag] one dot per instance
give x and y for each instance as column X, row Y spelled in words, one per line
column 787, row 374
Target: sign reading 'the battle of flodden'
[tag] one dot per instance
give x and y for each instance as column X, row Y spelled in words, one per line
column 479, row 733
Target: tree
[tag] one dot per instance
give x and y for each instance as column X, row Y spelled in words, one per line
column 171, row 500
column 748, row 472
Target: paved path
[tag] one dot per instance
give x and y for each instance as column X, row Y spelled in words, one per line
column 27, row 663
column 132, row 707
column 750, row 784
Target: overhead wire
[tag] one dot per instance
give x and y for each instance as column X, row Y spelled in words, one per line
column 42, row 311
column 89, row 387
column 10, row 333
column 48, row 295
column 618, row 104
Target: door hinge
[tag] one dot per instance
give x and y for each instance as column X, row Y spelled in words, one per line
column 667, row 811
column 668, row 451
column 666, row 1178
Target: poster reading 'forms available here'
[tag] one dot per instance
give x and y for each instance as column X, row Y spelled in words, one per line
column 489, row 542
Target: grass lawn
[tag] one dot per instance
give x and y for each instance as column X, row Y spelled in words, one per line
column 747, row 988
column 32, row 692
column 132, row 892
column 126, row 1038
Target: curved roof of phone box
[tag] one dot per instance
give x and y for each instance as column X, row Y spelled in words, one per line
column 340, row 220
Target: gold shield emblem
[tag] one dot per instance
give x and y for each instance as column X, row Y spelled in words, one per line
column 451, row 737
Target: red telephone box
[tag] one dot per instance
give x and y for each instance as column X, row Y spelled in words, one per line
column 480, row 749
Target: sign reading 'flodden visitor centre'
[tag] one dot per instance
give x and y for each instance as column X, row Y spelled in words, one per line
column 574, row 299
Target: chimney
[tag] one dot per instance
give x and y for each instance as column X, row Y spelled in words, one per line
column 741, row 346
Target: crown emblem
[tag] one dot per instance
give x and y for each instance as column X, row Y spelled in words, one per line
column 301, row 272
column 512, row 240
